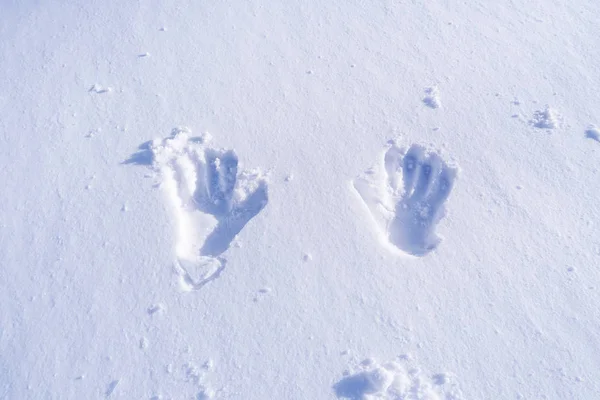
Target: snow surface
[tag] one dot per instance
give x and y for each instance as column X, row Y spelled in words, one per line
column 129, row 272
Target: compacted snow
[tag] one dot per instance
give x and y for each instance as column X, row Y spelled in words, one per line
column 300, row 200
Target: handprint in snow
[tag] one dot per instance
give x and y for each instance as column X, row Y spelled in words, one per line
column 212, row 202
column 406, row 196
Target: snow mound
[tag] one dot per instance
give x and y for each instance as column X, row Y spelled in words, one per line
column 395, row 380
column 545, row 119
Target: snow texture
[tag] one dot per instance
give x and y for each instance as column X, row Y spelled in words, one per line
column 432, row 98
column 142, row 262
column 545, row 119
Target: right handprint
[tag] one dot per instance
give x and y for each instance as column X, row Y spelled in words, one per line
column 406, row 196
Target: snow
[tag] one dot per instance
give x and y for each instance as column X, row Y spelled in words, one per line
column 545, row 119
column 122, row 278
column 432, row 98
column 406, row 195
column 394, row 380
column 211, row 201
column 593, row 133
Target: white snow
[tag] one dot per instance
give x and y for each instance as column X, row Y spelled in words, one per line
column 340, row 212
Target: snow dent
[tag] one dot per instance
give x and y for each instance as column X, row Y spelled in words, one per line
column 406, row 197
column 593, row 133
column 432, row 97
column 210, row 200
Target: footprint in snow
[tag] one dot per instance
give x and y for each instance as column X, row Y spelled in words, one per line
column 406, row 196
